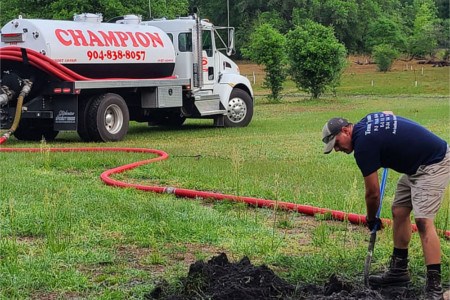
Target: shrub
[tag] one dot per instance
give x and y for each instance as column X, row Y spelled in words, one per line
column 384, row 56
column 316, row 57
column 266, row 48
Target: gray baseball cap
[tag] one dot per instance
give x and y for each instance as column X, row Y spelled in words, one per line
column 329, row 132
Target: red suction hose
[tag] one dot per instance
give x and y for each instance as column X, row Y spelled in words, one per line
column 161, row 155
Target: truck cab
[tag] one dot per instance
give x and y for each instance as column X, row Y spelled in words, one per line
column 199, row 47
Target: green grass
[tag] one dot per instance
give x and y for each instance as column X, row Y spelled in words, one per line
column 401, row 81
column 63, row 233
column 433, row 81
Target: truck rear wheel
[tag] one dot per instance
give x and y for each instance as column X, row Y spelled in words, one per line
column 239, row 109
column 35, row 131
column 82, row 128
column 107, row 118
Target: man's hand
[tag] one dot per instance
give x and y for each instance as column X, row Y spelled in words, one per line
column 374, row 223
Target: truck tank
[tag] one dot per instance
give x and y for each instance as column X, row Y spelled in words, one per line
column 94, row 49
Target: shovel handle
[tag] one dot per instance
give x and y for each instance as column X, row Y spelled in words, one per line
column 382, row 188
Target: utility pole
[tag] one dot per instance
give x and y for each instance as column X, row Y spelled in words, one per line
column 228, row 20
column 150, row 8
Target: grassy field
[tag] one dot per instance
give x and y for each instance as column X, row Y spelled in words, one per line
column 66, row 235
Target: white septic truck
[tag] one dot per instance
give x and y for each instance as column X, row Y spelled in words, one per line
column 94, row 77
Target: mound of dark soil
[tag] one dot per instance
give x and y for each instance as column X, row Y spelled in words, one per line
column 218, row 279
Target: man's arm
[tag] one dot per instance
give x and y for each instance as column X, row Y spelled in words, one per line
column 372, row 195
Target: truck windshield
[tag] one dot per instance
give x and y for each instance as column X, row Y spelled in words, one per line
column 185, row 42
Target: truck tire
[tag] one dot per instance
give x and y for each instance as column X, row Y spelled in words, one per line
column 82, row 128
column 31, row 131
column 239, row 109
column 107, row 118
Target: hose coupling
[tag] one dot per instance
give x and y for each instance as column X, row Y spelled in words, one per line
column 6, row 135
column 169, row 190
column 6, row 95
column 27, row 84
column 4, row 99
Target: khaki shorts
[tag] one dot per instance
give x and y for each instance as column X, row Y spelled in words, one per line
column 423, row 191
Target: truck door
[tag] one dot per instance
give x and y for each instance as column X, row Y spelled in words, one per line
column 208, row 55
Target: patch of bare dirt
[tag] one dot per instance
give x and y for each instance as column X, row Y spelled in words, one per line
column 356, row 65
column 219, row 279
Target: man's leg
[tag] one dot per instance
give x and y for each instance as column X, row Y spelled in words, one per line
column 427, row 192
column 431, row 244
column 397, row 274
column 401, row 226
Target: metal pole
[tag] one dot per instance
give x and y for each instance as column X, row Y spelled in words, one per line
column 150, row 8
column 228, row 20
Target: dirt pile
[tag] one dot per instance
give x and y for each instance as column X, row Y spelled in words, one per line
column 218, row 279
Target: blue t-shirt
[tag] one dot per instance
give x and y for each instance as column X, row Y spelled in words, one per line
column 389, row 141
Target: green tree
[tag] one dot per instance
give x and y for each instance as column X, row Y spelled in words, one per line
column 386, row 31
column 443, row 7
column 316, row 57
column 339, row 14
column 266, row 48
column 424, row 22
column 273, row 18
column 444, row 34
column 425, row 33
column 384, row 56
column 65, row 9
column 244, row 34
column 11, row 9
column 350, row 19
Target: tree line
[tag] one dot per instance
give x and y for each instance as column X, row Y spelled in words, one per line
column 413, row 27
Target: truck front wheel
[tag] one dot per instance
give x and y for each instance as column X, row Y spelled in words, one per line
column 107, row 118
column 239, row 109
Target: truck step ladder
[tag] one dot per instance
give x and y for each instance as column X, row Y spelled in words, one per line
column 209, row 105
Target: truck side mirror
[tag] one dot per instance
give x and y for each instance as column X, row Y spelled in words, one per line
column 230, row 48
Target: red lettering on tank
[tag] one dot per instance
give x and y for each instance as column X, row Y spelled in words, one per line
column 59, row 35
column 94, row 40
column 122, row 37
column 155, row 38
column 130, row 34
column 109, row 38
column 100, row 38
column 78, row 37
column 142, row 39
